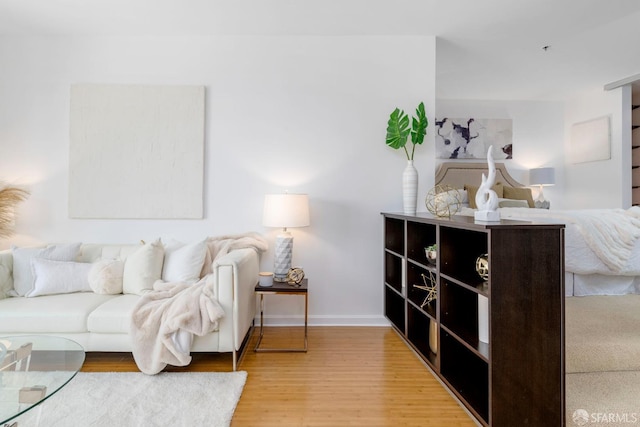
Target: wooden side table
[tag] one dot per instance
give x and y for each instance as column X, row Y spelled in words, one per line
column 285, row 289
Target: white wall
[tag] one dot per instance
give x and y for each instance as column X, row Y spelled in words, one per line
column 307, row 114
column 538, row 136
column 606, row 183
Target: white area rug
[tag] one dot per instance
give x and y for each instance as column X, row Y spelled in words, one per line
column 133, row 399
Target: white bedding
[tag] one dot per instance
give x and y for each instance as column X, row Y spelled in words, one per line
column 604, row 242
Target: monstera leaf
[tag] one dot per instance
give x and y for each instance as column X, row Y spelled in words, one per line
column 419, row 125
column 397, row 129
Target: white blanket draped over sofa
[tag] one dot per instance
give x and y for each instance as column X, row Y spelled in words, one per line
column 164, row 321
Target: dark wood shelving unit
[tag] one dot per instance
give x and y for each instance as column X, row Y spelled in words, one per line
column 517, row 377
column 635, row 158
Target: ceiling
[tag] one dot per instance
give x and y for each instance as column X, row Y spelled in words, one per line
column 486, row 49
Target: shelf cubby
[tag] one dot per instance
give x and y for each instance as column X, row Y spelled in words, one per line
column 393, row 271
column 458, row 250
column 459, row 312
column 394, row 235
column 419, row 237
column 423, row 334
column 467, row 374
column 394, row 308
column 418, row 295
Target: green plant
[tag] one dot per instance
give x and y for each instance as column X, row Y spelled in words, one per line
column 433, row 248
column 398, row 129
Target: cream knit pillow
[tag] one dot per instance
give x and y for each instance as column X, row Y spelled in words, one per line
column 142, row 268
column 105, row 276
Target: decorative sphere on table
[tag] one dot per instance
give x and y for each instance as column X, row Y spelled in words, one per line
column 443, row 201
column 482, row 266
column 295, row 275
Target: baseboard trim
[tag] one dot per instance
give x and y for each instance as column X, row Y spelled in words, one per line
column 327, row 320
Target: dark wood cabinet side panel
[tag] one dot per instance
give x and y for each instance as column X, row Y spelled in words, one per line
column 527, row 312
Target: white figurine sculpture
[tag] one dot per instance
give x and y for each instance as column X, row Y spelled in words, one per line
column 486, row 198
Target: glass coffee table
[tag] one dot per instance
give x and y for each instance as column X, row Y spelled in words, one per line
column 33, row 368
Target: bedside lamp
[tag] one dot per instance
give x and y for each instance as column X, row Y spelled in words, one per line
column 285, row 211
column 542, row 177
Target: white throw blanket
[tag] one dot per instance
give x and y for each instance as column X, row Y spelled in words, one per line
column 610, row 233
column 170, row 308
column 164, row 321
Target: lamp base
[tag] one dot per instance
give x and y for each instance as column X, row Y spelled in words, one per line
column 283, row 255
column 542, row 204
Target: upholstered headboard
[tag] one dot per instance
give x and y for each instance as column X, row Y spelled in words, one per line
column 457, row 174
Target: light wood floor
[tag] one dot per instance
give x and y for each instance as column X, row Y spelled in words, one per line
column 351, row 376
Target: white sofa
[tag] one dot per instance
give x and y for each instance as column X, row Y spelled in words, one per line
column 101, row 322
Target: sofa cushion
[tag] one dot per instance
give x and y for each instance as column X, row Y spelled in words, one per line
column 59, row 277
column 142, row 268
column 114, row 316
column 51, row 314
column 22, row 272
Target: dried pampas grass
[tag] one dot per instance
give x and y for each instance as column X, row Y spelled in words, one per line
column 9, row 198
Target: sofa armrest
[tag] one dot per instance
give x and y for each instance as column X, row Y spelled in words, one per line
column 236, row 275
column 6, row 272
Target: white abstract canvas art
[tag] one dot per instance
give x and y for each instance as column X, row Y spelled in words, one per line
column 590, row 141
column 136, row 151
column 470, row 138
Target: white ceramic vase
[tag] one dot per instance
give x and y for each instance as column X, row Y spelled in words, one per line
column 409, row 189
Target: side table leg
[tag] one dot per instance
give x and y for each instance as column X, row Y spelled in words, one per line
column 306, row 316
column 261, row 322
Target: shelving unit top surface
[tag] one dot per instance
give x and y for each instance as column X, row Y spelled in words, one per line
column 468, row 222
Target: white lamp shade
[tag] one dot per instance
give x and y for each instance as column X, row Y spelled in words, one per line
column 542, row 176
column 286, row 210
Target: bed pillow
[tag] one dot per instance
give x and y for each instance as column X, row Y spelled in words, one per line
column 22, row 273
column 519, row 193
column 59, row 277
column 461, row 194
column 105, row 276
column 452, row 199
column 183, row 263
column 512, row 203
column 142, row 268
column 472, row 190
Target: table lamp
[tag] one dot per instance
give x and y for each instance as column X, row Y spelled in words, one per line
column 285, row 211
column 542, row 177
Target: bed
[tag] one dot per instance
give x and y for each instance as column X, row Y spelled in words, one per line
column 602, row 246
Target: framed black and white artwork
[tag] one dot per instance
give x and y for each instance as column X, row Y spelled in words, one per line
column 470, row 138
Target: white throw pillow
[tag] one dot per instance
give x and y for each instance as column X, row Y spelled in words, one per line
column 105, row 276
column 59, row 277
column 22, row 272
column 142, row 268
column 183, row 263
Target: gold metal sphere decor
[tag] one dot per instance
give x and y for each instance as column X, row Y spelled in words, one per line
column 482, row 266
column 443, row 201
column 295, row 276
